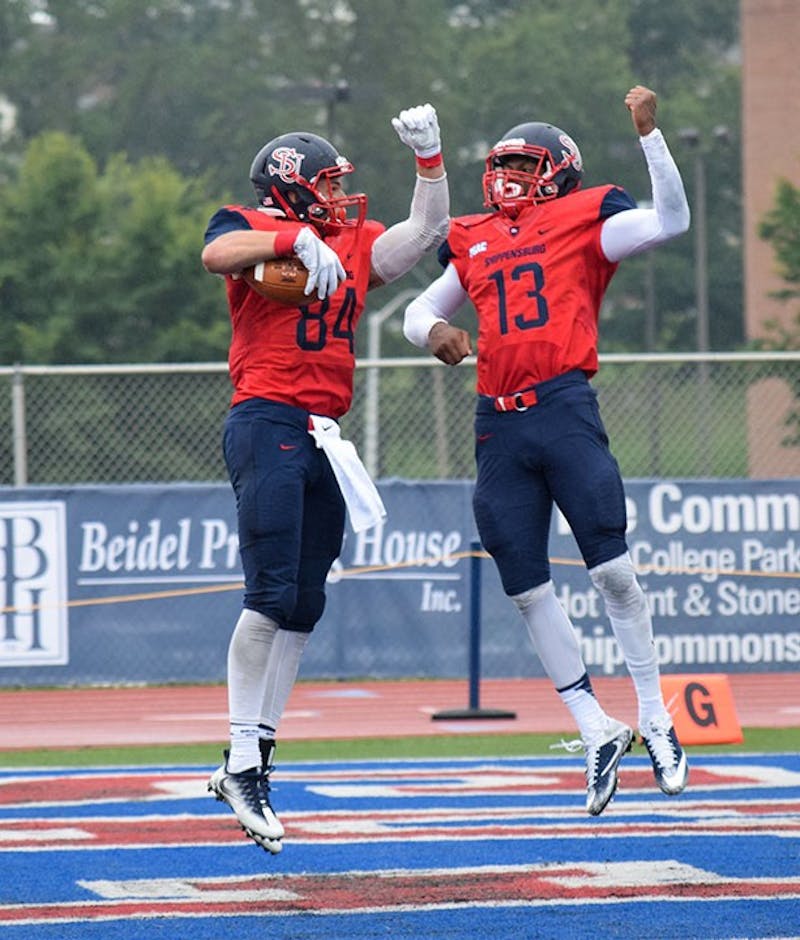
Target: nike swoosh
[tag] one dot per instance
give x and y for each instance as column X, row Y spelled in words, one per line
column 484, row 437
column 614, row 757
column 288, row 446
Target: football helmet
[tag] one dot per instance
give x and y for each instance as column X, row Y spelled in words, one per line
column 295, row 174
column 557, row 170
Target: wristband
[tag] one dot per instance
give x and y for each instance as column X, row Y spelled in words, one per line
column 430, row 162
column 284, row 243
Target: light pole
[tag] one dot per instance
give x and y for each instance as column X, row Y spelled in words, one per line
column 696, row 143
column 329, row 94
column 335, row 93
column 691, row 137
column 650, row 326
column 375, row 321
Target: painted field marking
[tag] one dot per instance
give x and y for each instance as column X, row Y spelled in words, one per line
column 559, row 884
column 747, row 811
column 638, row 819
column 407, row 781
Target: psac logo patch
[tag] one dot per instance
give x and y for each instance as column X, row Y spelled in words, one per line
column 477, row 248
column 33, row 584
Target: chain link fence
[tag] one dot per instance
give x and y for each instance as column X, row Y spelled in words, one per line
column 717, row 415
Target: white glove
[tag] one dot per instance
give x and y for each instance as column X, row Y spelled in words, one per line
column 418, row 128
column 325, row 271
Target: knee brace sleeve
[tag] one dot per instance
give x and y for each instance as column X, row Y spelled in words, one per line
column 529, row 598
column 616, row 581
column 628, row 611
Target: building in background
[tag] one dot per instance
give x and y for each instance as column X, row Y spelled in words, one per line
column 770, row 37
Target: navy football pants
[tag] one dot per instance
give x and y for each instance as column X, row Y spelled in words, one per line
column 290, row 511
column 555, row 452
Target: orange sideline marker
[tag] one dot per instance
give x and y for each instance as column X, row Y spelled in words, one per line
column 702, row 708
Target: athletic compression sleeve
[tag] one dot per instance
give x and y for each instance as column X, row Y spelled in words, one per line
column 635, row 230
column 400, row 247
column 437, row 303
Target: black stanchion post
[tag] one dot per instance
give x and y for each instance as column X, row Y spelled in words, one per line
column 475, row 625
column 474, row 710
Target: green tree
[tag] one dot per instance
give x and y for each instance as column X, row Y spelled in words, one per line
column 104, row 266
column 204, row 85
column 781, row 228
column 681, row 41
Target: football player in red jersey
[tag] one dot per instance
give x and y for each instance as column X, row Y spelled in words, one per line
column 536, row 268
column 292, row 372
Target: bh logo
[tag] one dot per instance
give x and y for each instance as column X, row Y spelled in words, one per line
column 33, row 584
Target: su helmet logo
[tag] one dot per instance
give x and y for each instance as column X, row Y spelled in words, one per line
column 571, row 150
column 296, row 174
column 289, row 163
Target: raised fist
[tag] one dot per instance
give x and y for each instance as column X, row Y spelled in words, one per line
column 418, row 128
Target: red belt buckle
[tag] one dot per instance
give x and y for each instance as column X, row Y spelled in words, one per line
column 519, row 402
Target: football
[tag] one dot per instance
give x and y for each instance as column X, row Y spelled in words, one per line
column 280, row 279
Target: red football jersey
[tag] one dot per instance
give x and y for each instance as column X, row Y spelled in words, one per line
column 537, row 283
column 302, row 356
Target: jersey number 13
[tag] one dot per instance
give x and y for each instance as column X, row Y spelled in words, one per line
column 532, row 278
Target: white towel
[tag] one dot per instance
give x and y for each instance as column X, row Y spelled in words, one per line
column 364, row 504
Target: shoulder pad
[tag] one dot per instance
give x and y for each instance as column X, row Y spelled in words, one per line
column 470, row 221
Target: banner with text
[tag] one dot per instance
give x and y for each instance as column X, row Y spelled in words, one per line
column 124, row 584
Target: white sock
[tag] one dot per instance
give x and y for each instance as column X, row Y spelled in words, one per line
column 244, row 753
column 248, row 653
column 629, row 615
column 281, row 675
column 590, row 718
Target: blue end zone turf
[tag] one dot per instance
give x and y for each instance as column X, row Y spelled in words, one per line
column 407, row 849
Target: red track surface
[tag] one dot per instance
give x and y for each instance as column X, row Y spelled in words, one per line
column 198, row 714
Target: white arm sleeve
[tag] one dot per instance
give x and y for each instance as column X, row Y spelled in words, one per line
column 635, row 230
column 436, row 304
column 400, row 247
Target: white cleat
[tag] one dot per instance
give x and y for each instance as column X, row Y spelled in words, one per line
column 669, row 760
column 602, row 760
column 247, row 794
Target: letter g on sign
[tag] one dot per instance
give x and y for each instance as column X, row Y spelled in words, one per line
column 697, row 699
